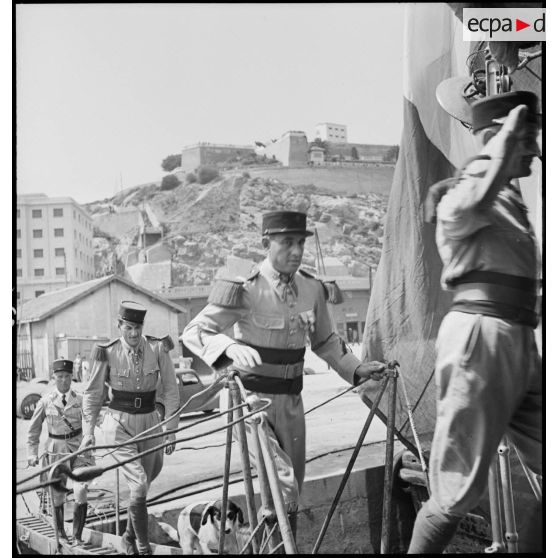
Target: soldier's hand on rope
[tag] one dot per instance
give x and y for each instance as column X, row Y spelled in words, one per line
column 371, row 370
column 88, row 440
column 170, row 438
column 33, row 461
column 243, row 355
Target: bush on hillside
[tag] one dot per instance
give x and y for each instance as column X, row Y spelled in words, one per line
column 207, row 174
column 171, row 162
column 190, row 178
column 169, row 182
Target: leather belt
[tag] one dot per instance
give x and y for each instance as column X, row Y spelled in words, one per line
column 271, row 355
column 498, row 301
column 132, row 402
column 263, row 384
column 65, row 436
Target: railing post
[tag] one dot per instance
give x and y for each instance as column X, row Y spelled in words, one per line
column 388, row 471
column 268, row 509
column 497, row 545
column 117, row 503
column 245, row 459
column 226, row 474
column 282, row 519
column 507, row 496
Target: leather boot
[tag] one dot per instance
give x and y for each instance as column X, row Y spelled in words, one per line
column 80, row 514
column 129, row 537
column 138, row 511
column 59, row 515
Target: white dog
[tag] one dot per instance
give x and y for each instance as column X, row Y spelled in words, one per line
column 198, row 528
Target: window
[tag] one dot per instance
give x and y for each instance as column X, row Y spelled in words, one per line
column 59, row 252
column 39, row 272
column 37, row 233
column 58, row 232
column 60, row 271
column 18, row 295
column 18, row 233
column 19, row 273
column 39, row 293
column 75, row 233
column 18, row 253
column 58, row 212
column 18, row 213
column 38, row 253
column 37, row 213
column 74, row 213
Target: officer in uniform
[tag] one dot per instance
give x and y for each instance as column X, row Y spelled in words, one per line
column 132, row 365
column 488, row 369
column 276, row 312
column 62, row 410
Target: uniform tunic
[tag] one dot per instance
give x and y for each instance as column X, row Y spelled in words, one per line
column 272, row 315
column 61, row 420
column 488, row 369
column 138, row 371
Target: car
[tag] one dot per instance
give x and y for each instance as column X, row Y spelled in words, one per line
column 28, row 395
column 189, row 383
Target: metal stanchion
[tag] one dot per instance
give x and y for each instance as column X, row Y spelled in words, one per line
column 388, row 470
column 495, row 513
column 245, row 459
column 117, row 503
column 226, row 473
column 54, row 518
column 283, row 520
column 350, row 465
column 507, row 496
column 268, row 509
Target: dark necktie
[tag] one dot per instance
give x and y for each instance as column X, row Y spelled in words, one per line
column 64, row 399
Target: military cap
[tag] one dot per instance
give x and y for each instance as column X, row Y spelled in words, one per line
column 498, row 106
column 276, row 222
column 132, row 311
column 63, row 365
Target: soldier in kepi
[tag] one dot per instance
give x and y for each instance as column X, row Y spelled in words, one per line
column 62, row 410
column 488, row 369
column 276, row 312
column 132, row 365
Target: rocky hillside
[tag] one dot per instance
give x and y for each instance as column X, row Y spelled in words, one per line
column 206, row 223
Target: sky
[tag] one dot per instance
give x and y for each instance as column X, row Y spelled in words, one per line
column 105, row 91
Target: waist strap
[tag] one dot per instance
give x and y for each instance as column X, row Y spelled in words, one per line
column 263, row 384
column 131, row 402
column 500, row 294
column 65, row 436
column 271, row 355
column 494, row 278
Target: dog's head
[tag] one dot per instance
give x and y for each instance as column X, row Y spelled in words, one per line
column 214, row 512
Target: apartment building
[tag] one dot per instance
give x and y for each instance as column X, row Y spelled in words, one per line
column 54, row 245
column 334, row 133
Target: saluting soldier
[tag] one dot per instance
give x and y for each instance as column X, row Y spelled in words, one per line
column 132, row 365
column 276, row 312
column 488, row 369
column 62, row 410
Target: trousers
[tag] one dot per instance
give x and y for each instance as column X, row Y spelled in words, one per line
column 287, row 439
column 119, row 427
column 489, row 383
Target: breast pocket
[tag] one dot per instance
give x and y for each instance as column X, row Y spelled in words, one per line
column 269, row 328
column 121, row 377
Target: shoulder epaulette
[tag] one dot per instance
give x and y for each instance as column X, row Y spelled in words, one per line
column 227, row 293
column 306, row 274
column 332, row 291
column 253, row 274
column 167, row 342
column 99, row 352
